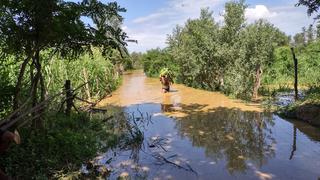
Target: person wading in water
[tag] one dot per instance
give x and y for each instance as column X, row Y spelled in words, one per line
column 166, row 79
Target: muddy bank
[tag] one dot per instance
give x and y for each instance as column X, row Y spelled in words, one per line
column 306, row 109
column 308, row 113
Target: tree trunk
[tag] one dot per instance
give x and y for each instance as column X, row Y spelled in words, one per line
column 18, row 84
column 42, row 85
column 37, row 122
column 257, row 82
column 31, row 71
column 42, row 96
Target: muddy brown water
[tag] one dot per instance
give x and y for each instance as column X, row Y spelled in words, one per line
column 196, row 134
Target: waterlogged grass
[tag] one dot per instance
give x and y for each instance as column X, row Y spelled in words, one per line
column 65, row 144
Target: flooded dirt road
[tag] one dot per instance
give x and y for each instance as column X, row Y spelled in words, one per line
column 195, row 134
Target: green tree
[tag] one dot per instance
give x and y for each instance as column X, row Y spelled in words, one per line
column 257, row 44
column 309, row 64
column 318, row 31
column 310, row 34
column 312, row 5
column 234, row 22
column 156, row 59
column 281, row 71
column 230, row 57
column 29, row 28
column 194, row 50
column 136, row 60
column 299, row 39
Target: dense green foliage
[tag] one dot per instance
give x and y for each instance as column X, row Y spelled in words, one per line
column 31, row 31
column 98, row 71
column 101, row 74
column 193, row 49
column 136, row 59
column 256, row 47
column 62, row 148
column 43, row 44
column 64, row 143
column 235, row 57
column 156, row 59
column 281, row 71
column 309, row 65
column 230, row 57
column 8, row 75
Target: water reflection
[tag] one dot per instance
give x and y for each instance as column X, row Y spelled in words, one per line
column 231, row 134
column 210, row 134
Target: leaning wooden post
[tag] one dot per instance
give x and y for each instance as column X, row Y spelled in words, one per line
column 295, row 60
column 69, row 98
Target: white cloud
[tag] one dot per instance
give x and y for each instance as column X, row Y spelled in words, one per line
column 124, row 28
column 151, row 17
column 289, row 19
column 259, row 12
column 151, row 30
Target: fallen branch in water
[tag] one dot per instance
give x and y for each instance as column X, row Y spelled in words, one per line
column 91, row 105
column 162, row 158
column 158, row 142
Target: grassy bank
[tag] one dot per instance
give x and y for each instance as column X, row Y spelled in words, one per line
column 61, row 147
column 68, row 143
column 65, row 142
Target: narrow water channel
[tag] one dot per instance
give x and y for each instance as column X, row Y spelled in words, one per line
column 195, row 134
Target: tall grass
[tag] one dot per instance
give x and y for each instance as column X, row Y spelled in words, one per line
column 98, row 71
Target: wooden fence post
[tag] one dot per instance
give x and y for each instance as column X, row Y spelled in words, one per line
column 295, row 60
column 69, row 98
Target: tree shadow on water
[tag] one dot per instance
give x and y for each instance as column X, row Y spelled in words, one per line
column 226, row 134
column 229, row 134
column 243, row 140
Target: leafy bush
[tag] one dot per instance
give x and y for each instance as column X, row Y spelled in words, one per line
column 61, row 148
column 156, row 59
column 7, row 82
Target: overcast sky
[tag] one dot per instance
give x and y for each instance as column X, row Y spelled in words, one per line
column 149, row 21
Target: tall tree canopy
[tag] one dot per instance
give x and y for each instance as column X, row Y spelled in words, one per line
column 230, row 56
column 29, row 28
column 312, row 5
